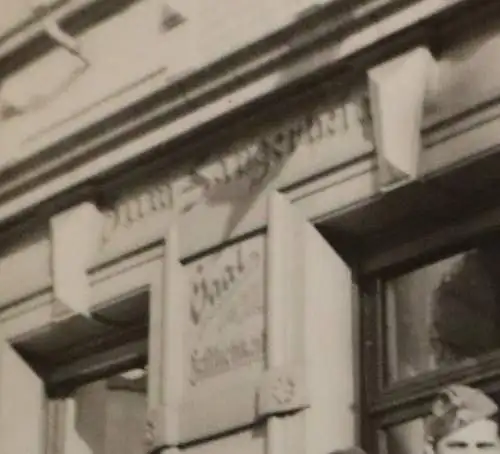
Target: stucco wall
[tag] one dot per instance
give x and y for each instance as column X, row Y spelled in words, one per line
column 129, row 47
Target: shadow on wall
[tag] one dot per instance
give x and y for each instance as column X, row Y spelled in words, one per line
column 264, row 158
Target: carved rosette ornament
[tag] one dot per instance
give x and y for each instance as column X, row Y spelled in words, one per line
column 282, row 391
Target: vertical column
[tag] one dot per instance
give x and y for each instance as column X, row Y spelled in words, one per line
column 311, row 398
column 166, row 358
column 331, row 348
column 285, row 325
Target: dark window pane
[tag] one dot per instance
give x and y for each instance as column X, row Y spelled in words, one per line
column 443, row 313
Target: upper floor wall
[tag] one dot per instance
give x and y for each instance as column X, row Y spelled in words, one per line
column 148, row 39
column 17, row 15
column 70, row 122
column 330, row 168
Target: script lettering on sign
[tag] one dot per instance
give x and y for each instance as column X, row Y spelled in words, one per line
column 227, row 310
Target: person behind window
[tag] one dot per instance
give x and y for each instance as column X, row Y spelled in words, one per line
column 463, row 421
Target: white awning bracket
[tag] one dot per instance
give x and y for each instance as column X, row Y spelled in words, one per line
column 283, row 390
column 399, row 90
column 75, row 235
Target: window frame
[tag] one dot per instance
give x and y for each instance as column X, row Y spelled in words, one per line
column 385, row 404
column 142, row 271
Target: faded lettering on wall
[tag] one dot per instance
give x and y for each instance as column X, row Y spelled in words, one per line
column 226, row 322
column 138, row 206
column 248, row 164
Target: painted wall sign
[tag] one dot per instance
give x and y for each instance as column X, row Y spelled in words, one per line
column 142, row 204
column 302, row 147
column 226, row 323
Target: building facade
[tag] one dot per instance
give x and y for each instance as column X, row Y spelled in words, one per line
column 244, row 225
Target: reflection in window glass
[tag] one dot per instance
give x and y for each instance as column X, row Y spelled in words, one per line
column 110, row 414
column 443, row 313
column 406, row 438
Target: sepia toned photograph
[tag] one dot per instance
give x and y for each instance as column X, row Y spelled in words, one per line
column 249, row 227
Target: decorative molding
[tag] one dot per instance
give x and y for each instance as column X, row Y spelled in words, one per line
column 247, row 166
column 282, row 390
column 19, row 96
column 208, row 89
column 136, row 207
column 28, row 41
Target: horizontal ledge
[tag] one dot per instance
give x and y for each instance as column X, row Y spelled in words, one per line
column 210, row 90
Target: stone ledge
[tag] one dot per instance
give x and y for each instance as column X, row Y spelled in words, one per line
column 182, row 106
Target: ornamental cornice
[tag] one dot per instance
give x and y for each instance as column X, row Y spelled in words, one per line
column 124, row 127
